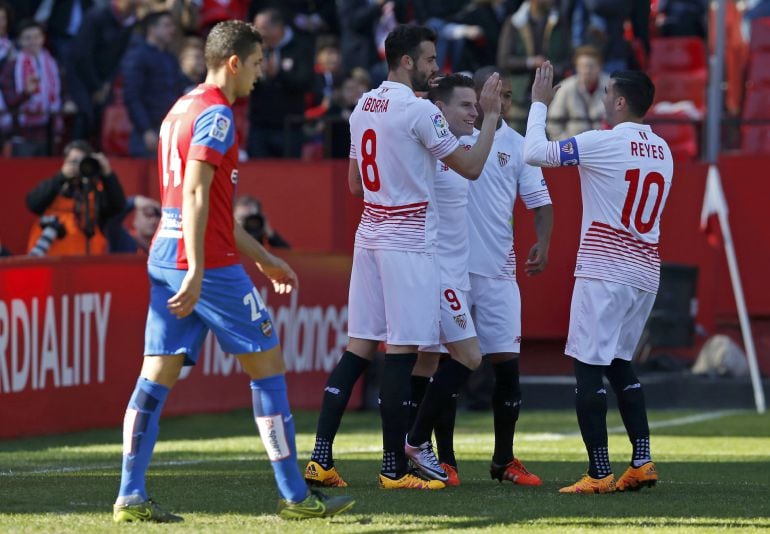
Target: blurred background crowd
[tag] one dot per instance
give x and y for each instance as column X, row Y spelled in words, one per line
column 107, row 71
column 94, row 78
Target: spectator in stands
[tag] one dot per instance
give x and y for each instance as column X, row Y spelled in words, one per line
column 186, row 13
column 680, row 18
column 61, row 20
column 248, row 213
column 327, row 77
column 277, row 104
column 357, row 21
column 192, row 62
column 601, row 23
column 532, row 34
column 577, row 106
column 24, row 9
column 7, row 53
column 451, row 33
column 488, row 15
column 146, row 217
column 31, row 89
column 213, row 11
column 309, row 17
column 152, row 82
column 94, row 61
column 76, row 202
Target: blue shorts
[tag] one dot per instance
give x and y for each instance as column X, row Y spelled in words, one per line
column 229, row 305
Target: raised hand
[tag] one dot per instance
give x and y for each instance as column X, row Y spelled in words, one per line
column 542, row 88
column 489, row 99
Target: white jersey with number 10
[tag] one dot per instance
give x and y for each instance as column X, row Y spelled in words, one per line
column 625, row 178
column 396, row 139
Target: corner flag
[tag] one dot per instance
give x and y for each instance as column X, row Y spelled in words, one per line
column 713, row 215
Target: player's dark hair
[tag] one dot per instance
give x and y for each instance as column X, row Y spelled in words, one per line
column 637, row 88
column 405, row 40
column 230, row 38
column 153, row 18
column 446, row 86
column 482, row 75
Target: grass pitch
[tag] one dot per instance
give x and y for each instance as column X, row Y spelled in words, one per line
column 714, row 467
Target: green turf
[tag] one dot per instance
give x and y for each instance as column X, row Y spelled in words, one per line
column 212, row 470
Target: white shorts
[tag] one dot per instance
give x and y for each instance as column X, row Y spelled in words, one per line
column 606, row 320
column 394, row 297
column 496, row 310
column 456, row 322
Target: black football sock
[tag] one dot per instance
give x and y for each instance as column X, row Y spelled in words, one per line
column 445, row 383
column 445, row 430
column 395, row 397
column 336, row 396
column 506, row 403
column 419, row 385
column 632, row 409
column 445, row 433
column 591, row 408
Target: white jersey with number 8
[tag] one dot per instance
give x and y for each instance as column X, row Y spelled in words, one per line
column 625, row 178
column 396, row 139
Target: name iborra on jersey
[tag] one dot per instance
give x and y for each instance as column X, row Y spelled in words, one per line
column 375, row 105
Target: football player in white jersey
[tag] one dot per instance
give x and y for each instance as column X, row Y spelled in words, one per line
column 455, row 96
column 625, row 178
column 396, row 139
column 494, row 297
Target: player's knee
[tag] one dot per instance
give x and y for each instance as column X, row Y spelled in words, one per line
column 163, row 370
column 263, row 364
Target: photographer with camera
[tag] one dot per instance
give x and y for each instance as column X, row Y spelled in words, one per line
column 74, row 205
column 248, row 213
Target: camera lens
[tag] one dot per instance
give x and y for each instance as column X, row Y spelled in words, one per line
column 89, row 167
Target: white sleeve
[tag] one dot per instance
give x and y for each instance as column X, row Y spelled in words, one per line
column 352, row 154
column 538, row 150
column 533, row 190
column 432, row 129
column 583, row 149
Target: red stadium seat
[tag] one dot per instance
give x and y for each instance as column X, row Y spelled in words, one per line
column 759, row 68
column 756, row 105
column 756, row 139
column 760, row 34
column 678, row 86
column 677, row 54
column 678, row 130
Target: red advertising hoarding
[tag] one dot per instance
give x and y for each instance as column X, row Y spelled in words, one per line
column 72, row 330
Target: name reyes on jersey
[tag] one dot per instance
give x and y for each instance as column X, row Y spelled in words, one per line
column 647, row 150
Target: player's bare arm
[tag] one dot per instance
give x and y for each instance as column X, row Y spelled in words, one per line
column 354, row 179
column 537, row 260
column 282, row 276
column 195, row 214
column 470, row 163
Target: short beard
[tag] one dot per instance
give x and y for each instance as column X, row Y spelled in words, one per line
column 420, row 84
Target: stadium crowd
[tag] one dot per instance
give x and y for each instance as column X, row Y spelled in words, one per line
column 106, row 71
